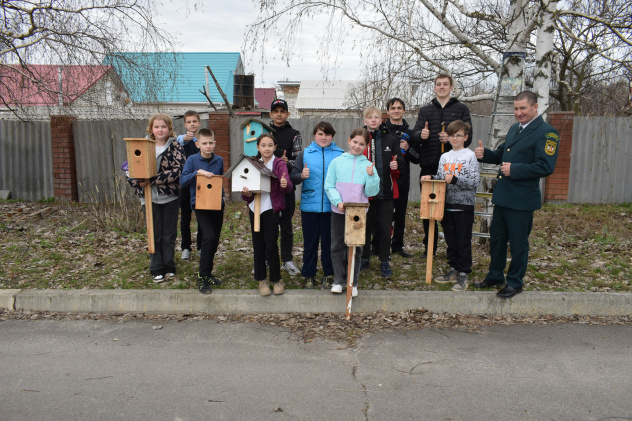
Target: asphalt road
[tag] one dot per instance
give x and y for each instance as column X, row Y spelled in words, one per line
column 202, row 370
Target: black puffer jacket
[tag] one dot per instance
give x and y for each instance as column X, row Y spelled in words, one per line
column 430, row 149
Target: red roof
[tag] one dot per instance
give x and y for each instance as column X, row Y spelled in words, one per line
column 38, row 84
column 265, row 96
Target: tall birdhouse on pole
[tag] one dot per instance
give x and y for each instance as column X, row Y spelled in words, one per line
column 432, row 207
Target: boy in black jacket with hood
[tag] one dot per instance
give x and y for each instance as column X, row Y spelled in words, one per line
column 289, row 144
column 429, row 136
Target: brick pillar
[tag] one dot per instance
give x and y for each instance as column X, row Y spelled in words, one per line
column 556, row 186
column 219, row 122
column 63, row 150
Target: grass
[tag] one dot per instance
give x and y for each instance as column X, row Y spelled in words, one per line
column 573, row 248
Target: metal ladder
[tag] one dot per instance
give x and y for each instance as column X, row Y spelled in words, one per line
column 509, row 85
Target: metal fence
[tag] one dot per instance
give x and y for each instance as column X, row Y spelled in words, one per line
column 600, row 170
column 600, row 160
column 26, row 163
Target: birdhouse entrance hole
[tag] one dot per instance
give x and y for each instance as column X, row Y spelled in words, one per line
column 137, row 152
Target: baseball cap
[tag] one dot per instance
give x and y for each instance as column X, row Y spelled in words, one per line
column 279, row 103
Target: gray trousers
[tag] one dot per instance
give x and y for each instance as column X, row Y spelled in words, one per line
column 340, row 252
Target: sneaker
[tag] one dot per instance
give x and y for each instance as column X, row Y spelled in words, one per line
column 291, row 269
column 462, row 283
column 309, row 282
column 215, row 281
column 354, row 292
column 364, row 264
column 158, row 279
column 385, row 267
column 186, row 254
column 449, row 277
column 336, row 289
column 278, row 288
column 326, row 282
column 264, row 288
column 204, row 286
column 170, row 275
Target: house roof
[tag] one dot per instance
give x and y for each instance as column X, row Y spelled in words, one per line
column 256, row 162
column 265, row 96
column 323, row 95
column 38, row 84
column 176, row 77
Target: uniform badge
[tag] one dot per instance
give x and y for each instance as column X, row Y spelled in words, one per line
column 551, row 143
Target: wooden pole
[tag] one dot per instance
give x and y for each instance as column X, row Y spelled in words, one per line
column 257, row 212
column 149, row 216
column 350, row 276
column 431, row 225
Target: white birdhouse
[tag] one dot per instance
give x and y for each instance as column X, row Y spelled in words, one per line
column 251, row 173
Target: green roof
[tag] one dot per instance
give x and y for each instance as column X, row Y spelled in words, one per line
column 175, row 77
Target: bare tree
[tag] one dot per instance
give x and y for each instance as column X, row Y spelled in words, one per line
column 417, row 39
column 70, row 32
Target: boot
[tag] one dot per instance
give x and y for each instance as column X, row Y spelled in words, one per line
column 264, row 288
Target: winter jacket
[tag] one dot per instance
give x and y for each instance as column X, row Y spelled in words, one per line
column 382, row 149
column 430, row 149
column 169, row 165
column 411, row 155
column 197, row 162
column 277, row 194
column 347, row 180
column 317, row 159
column 289, row 141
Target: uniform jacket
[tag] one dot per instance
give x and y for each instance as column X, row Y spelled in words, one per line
column 533, row 154
column 170, row 164
column 430, row 149
column 347, row 180
column 313, row 197
column 277, row 194
column 196, row 162
column 381, row 150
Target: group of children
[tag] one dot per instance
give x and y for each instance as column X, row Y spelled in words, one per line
column 368, row 173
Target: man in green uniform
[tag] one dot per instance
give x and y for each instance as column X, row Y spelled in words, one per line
column 528, row 154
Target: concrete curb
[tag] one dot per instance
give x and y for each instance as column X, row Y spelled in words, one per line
column 312, row 301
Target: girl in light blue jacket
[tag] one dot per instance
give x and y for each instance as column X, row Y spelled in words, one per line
column 310, row 169
column 350, row 178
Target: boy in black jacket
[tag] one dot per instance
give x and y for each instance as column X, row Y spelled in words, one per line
column 429, row 136
column 384, row 152
column 289, row 144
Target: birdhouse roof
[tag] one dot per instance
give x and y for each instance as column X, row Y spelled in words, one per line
column 251, row 120
column 257, row 163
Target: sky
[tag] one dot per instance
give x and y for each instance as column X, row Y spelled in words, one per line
column 220, row 27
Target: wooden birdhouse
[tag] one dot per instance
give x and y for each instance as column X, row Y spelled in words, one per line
column 208, row 194
column 251, row 130
column 251, row 173
column 432, row 199
column 355, row 224
column 141, row 157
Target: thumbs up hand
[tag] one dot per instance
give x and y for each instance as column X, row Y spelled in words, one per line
column 283, row 181
column 284, row 157
column 425, row 133
column 369, row 169
column 480, row 150
column 305, row 173
column 393, row 164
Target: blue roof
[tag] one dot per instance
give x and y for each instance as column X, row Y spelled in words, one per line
column 176, row 77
